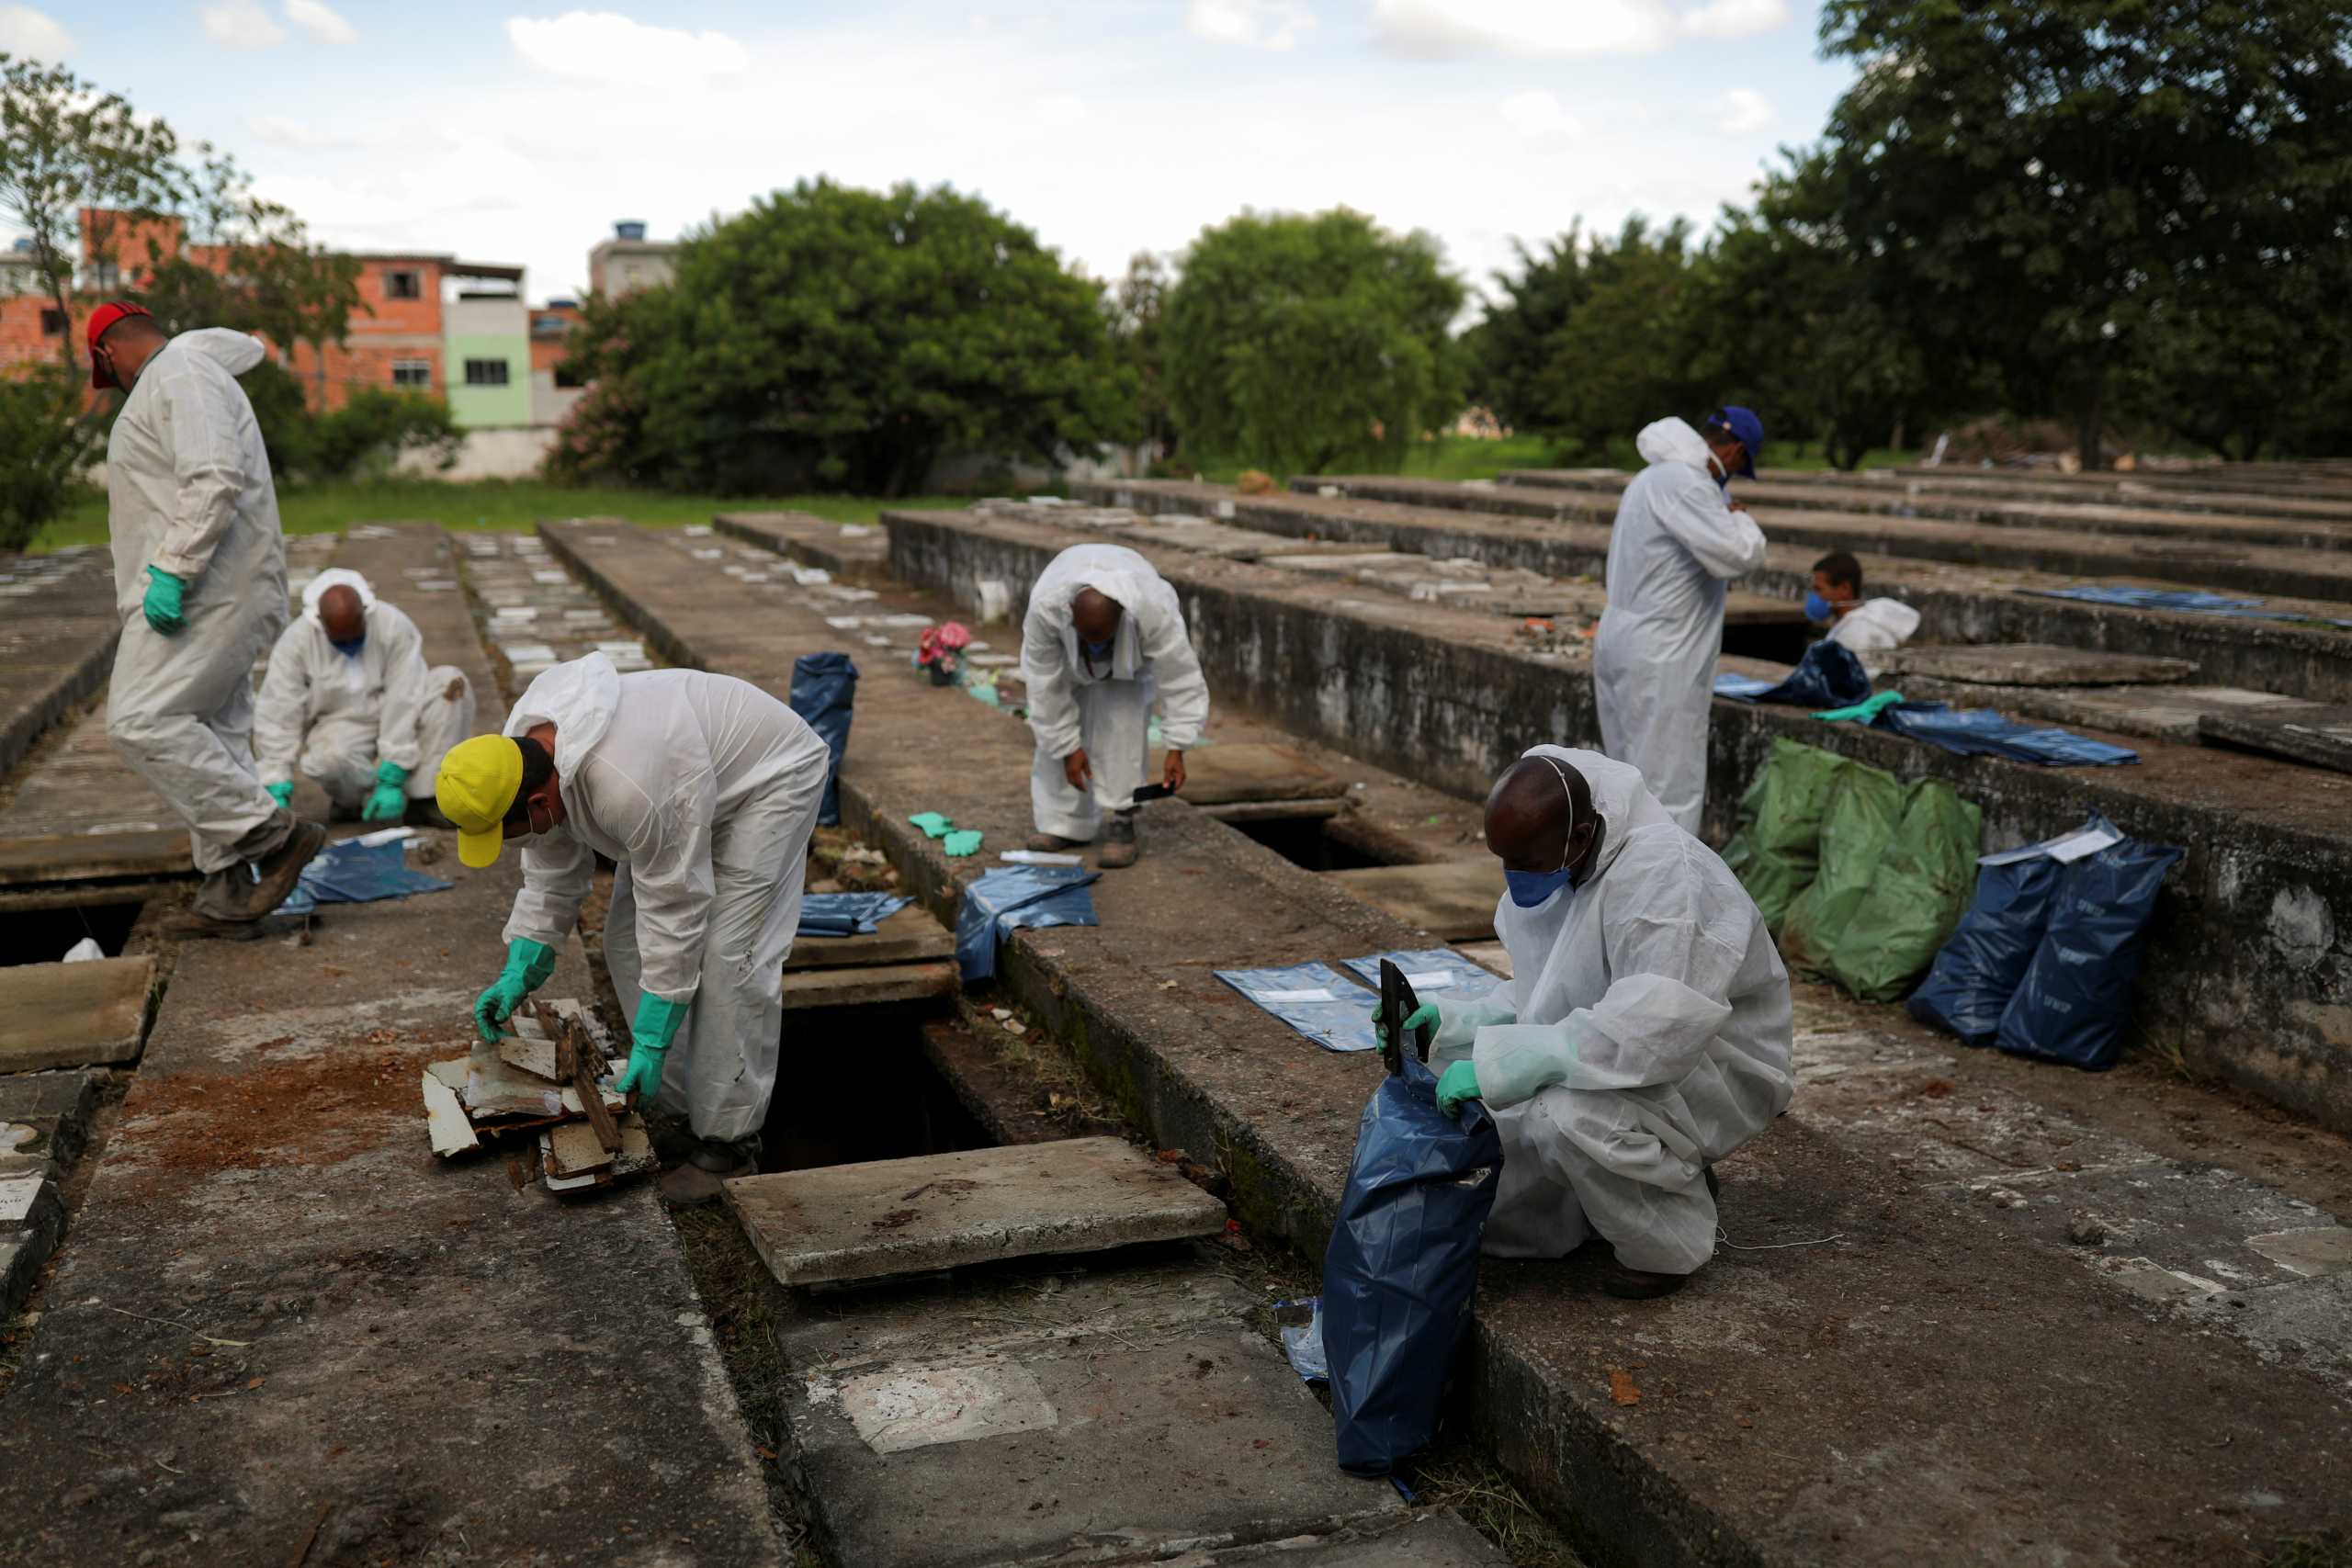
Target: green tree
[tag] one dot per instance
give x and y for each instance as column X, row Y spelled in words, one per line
column 1137, row 306
column 1311, row 342
column 1511, row 349
column 1640, row 345
column 2037, row 182
column 849, row 339
column 2248, row 368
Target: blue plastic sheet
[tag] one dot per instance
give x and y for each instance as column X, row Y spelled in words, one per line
column 2182, row 599
column 1401, row 1273
column 1746, row 688
column 824, row 691
column 1313, row 998
column 847, row 914
column 2077, row 994
column 1983, row 732
column 351, row 871
column 1436, row 974
column 1828, row 676
column 1013, row 898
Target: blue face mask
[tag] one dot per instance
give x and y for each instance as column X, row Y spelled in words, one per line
column 1529, row 888
column 1100, row 649
column 1817, row 608
column 350, row 649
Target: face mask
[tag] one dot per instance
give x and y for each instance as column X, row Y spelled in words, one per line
column 1817, row 608
column 350, row 649
column 1100, row 649
column 1529, row 888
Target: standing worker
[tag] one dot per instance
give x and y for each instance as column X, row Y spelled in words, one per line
column 199, row 572
column 349, row 699
column 1104, row 636
column 1679, row 539
column 703, row 790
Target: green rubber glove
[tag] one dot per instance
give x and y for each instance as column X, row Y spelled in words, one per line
column 963, row 841
column 388, row 802
column 1862, row 712
column 1458, row 1083
column 528, row 964
column 649, row 1045
column 1426, row 1014
column 933, row 824
column 163, row 604
column 283, row 794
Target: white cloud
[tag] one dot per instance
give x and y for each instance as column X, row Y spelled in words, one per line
column 241, row 24
column 604, row 46
column 1538, row 116
column 323, row 22
column 1432, row 29
column 33, row 35
column 1735, row 19
column 1744, row 111
column 1261, row 23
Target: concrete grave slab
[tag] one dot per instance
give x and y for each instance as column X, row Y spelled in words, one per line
column 1451, row 900
column 2162, row 713
column 2321, row 737
column 63, row 1015
column 57, row 1106
column 886, row 1217
column 911, row 936
column 1438, row 1539
column 869, row 985
column 1249, row 771
column 2033, row 664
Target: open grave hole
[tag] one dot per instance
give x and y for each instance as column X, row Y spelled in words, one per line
column 43, row 935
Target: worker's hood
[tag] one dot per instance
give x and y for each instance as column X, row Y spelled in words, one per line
column 1113, row 584
column 1673, row 441
column 334, row 577
column 234, row 351
column 579, row 699
column 1623, row 801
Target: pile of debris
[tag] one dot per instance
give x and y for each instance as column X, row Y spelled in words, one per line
column 547, row 1080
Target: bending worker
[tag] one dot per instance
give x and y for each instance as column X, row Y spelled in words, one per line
column 1678, row 540
column 1103, row 636
column 349, row 698
column 1645, row 1036
column 704, row 790
column 200, row 573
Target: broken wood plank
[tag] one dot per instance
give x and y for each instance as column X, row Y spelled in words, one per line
column 575, row 1148
column 536, row 1057
column 870, row 984
column 494, row 1089
column 600, row 1120
column 61, row 1015
column 444, row 1119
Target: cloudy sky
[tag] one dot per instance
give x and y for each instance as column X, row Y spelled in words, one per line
column 515, row 134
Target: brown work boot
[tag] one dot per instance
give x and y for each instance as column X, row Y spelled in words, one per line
column 1118, row 841
column 697, row 1179
column 261, row 885
column 1639, row 1284
column 1053, row 843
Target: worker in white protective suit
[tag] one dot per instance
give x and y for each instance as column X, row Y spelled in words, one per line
column 1644, row 1035
column 199, row 572
column 350, row 701
column 1678, row 541
column 1871, row 627
column 1103, row 637
column 703, row 790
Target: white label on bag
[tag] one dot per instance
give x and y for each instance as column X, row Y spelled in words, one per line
column 1433, row 979
column 1320, row 993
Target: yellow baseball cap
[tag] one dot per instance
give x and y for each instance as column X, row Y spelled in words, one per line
column 475, row 787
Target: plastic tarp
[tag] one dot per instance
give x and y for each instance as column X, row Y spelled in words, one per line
column 1436, row 974
column 1980, row 968
column 1014, row 896
column 1858, row 830
column 355, row 871
column 2076, row 996
column 1313, row 998
column 847, row 914
column 824, row 690
column 1919, row 896
column 1401, row 1272
column 1776, row 853
column 1983, row 732
column 1828, row 676
column 1303, row 1342
column 2182, row 599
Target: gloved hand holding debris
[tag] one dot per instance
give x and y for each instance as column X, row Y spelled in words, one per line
column 528, row 964
column 283, row 794
column 655, row 1027
column 1424, row 1015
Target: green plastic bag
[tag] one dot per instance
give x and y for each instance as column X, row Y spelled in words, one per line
column 1922, row 889
column 1857, row 833
column 1775, row 854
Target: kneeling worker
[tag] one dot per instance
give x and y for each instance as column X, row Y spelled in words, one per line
column 349, row 699
column 1869, row 627
column 1645, row 1033
column 704, row 790
column 1103, row 636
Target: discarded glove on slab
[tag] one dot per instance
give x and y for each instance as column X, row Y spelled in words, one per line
column 1862, row 712
column 963, row 841
column 933, row 824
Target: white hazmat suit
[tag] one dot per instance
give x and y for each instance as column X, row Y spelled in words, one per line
column 704, row 790
column 336, row 715
column 1875, row 627
column 188, row 490
column 1675, row 544
column 1104, row 705
column 1644, row 1035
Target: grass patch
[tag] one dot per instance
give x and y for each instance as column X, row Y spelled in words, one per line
column 502, row 505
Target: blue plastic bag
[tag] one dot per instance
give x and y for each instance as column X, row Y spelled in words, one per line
column 824, row 690
column 1828, row 676
column 847, row 914
column 352, row 872
column 1013, row 898
column 1313, row 998
column 1981, row 731
column 2077, row 994
column 1402, row 1271
column 1969, row 987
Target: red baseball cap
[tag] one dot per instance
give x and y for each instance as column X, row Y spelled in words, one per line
column 101, row 319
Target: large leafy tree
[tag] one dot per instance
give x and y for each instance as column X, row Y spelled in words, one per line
column 1137, row 304
column 1307, row 343
column 2038, row 182
column 848, row 338
column 1511, row 349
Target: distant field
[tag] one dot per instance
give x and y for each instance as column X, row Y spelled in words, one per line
column 1465, row 458
column 498, row 504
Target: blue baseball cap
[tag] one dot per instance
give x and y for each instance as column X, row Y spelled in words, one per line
column 1746, row 429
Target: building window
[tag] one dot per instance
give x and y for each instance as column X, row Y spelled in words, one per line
column 485, row 372
column 412, row 373
column 404, row 286
column 53, row 323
